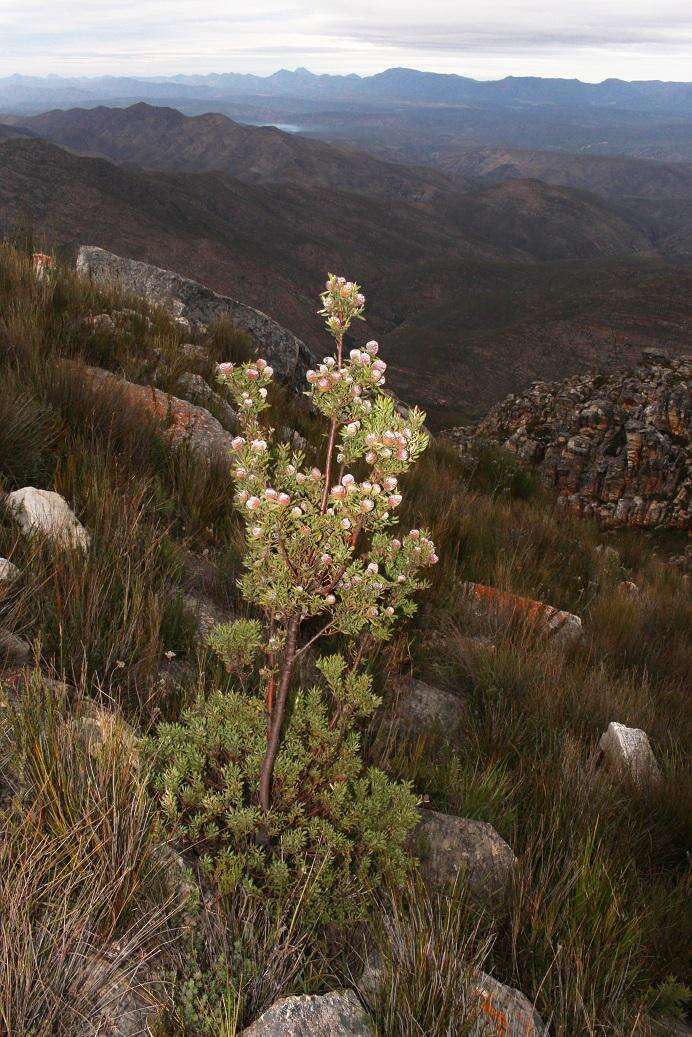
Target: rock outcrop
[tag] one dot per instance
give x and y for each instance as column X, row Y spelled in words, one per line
column 338, row 1014
column 616, row 447
column 181, row 422
column 46, row 512
column 199, row 306
column 456, row 846
column 559, row 627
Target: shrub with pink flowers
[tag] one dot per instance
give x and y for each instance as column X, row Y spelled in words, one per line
column 321, row 560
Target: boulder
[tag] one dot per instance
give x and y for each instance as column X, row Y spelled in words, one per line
column 181, row 422
column 420, row 707
column 503, row 1011
column 626, row 752
column 451, row 846
column 48, row 513
column 200, row 392
column 615, row 447
column 200, row 306
column 8, row 571
column 560, row 628
column 13, row 649
column 337, row 1014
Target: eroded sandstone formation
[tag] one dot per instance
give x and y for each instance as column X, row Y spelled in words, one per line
column 614, row 446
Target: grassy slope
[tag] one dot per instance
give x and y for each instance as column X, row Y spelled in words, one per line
column 596, row 915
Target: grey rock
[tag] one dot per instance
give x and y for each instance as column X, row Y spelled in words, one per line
column 627, row 753
column 456, row 846
column 8, row 571
column 421, row 707
column 200, row 306
column 503, row 1011
column 337, row 1014
column 13, row 649
column 182, row 423
column 197, row 390
column 48, row 513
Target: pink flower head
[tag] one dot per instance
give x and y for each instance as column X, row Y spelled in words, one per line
column 339, row 492
column 390, row 482
column 256, row 531
column 371, row 457
column 433, row 559
column 330, row 599
column 372, row 347
column 259, row 445
column 348, row 480
column 323, row 384
column 237, row 442
column 270, row 493
column 224, row 368
column 268, row 372
column 326, row 559
column 284, row 498
column 300, row 478
column 415, row 534
column 252, row 503
column 394, row 501
column 366, row 505
column 311, row 376
column 252, row 373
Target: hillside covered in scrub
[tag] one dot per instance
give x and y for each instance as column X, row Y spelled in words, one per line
column 486, row 831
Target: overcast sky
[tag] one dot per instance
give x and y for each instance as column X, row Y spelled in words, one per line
column 589, row 39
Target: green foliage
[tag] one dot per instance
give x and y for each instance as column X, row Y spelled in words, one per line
column 237, row 644
column 332, row 822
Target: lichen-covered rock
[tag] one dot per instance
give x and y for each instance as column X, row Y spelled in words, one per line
column 451, row 846
column 419, row 707
column 198, row 391
column 561, row 628
column 46, row 512
column 200, row 306
column 616, row 447
column 8, row 571
column 337, row 1014
column 503, row 1011
column 181, row 422
column 626, row 752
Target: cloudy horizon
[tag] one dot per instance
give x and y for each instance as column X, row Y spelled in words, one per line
column 589, row 40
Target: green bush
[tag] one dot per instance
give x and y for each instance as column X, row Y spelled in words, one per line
column 333, row 824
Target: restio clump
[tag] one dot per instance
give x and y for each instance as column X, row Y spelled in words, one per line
column 267, row 782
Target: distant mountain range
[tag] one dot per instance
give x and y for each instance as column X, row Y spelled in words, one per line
column 393, row 85
column 476, row 287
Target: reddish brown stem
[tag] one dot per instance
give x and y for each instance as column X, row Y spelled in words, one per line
column 279, row 711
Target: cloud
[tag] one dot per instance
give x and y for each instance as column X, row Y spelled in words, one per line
column 564, row 37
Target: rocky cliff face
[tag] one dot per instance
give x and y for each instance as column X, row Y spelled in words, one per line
column 200, row 306
column 616, row 447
